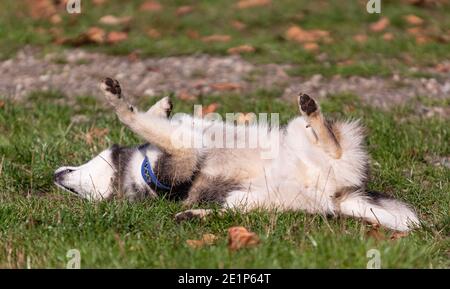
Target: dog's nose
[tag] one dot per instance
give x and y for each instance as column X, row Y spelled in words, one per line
column 59, row 175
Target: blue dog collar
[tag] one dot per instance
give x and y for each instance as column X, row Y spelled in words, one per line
column 148, row 175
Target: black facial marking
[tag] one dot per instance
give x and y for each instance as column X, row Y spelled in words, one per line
column 120, row 157
column 307, row 104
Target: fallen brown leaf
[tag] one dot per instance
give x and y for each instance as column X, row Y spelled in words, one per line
column 225, row 86
column 238, row 25
column 99, row 2
column 244, row 4
column 41, row 9
column 116, row 37
column 300, row 35
column 95, row 133
column 96, row 35
column 192, row 34
column 380, row 25
column 398, row 235
column 152, row 6
column 311, row 46
column 55, row 19
column 2, row 103
column 241, row 49
column 216, row 38
column 185, row 95
column 375, row 233
column 210, row 108
column 184, row 10
column 442, row 67
column 388, row 36
column 113, row 20
column 360, row 38
column 153, row 33
column 415, row 31
column 240, row 237
column 206, row 240
column 422, row 39
column 413, row 19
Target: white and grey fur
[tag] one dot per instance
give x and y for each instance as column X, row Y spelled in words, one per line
column 321, row 167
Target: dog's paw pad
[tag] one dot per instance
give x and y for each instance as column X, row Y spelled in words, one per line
column 112, row 86
column 307, row 104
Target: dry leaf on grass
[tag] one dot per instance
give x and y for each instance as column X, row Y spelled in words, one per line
column 216, row 38
column 241, row 49
column 442, row 67
column 153, row 33
column 95, row 133
column 113, row 20
column 151, row 6
column 99, row 2
column 311, row 46
column 96, row 35
column 388, row 36
column 116, row 37
column 92, row 35
column 238, row 25
column 225, row 86
column 209, row 108
column 55, row 19
column 380, row 25
column 375, row 233
column 244, row 4
column 41, row 9
column 184, row 10
column 185, row 95
column 206, row 240
column 398, row 235
column 192, row 34
column 2, row 103
column 360, row 38
column 300, row 35
column 413, row 19
column 240, row 237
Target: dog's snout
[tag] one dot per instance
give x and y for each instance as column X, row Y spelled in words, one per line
column 59, row 175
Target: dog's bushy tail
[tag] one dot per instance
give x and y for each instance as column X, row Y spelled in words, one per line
column 380, row 208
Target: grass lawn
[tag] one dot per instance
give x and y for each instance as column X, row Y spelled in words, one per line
column 263, row 27
column 39, row 224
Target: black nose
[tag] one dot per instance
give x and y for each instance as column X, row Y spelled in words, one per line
column 60, row 175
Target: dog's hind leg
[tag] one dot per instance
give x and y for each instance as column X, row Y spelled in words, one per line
column 323, row 133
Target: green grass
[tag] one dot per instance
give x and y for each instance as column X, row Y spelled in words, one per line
column 39, row 224
column 265, row 28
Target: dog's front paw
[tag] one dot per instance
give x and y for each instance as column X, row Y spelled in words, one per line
column 306, row 104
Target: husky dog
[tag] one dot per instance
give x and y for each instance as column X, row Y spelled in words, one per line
column 321, row 167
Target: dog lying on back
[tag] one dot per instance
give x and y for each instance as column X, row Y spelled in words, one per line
column 320, row 167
